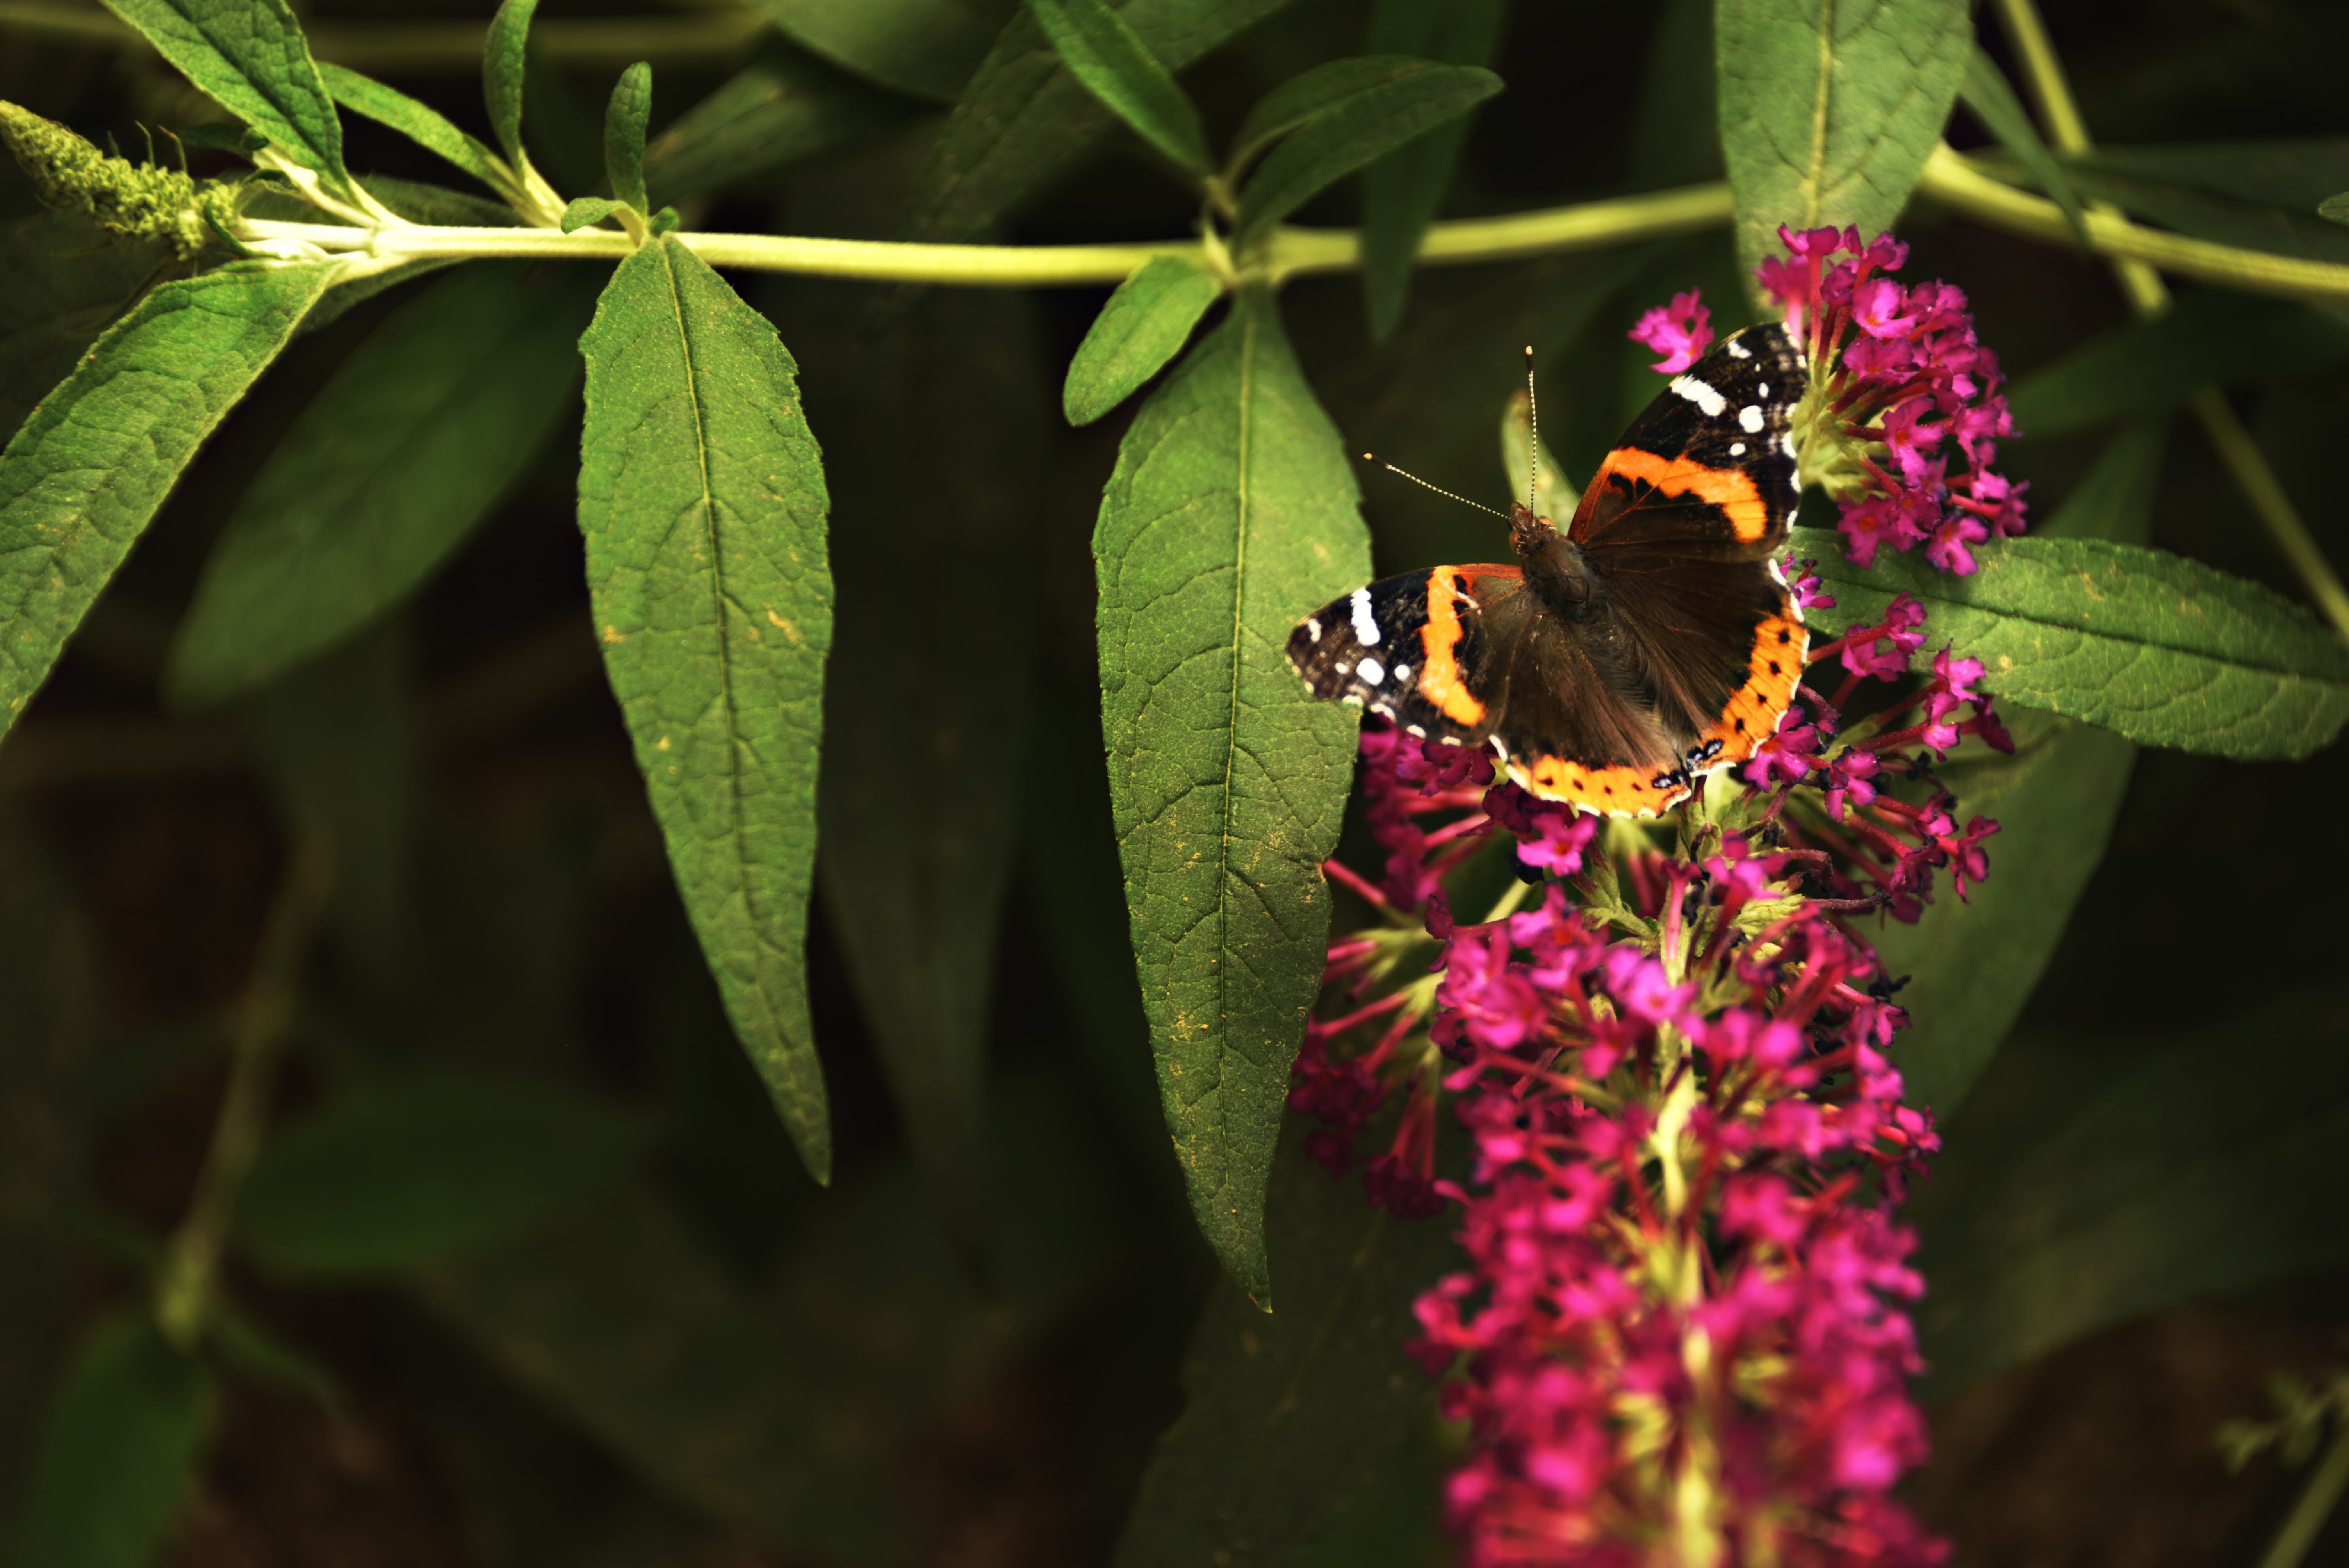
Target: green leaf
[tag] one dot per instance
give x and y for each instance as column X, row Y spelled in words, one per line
column 122, row 1440
column 1828, row 111
column 787, row 106
column 2160, row 649
column 1118, row 68
column 2226, row 218
column 1024, row 118
column 421, row 123
column 1145, row 323
column 924, row 49
column 1358, row 130
column 2092, row 1179
column 250, row 58
column 585, row 211
column 60, row 283
column 436, row 204
column 80, row 480
column 624, row 135
column 2209, row 338
column 701, row 495
column 395, row 1175
column 1231, row 516
column 385, row 472
column 1526, row 466
column 920, row 795
column 2286, row 171
column 2336, row 208
column 1402, row 191
column 1972, row 963
column 504, row 58
column 1289, row 1416
column 1305, row 97
column 1990, row 96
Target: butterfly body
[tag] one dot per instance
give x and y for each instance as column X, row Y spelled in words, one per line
column 1651, row 641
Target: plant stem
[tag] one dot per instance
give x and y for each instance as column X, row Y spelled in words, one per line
column 452, row 45
column 185, row 1288
column 2149, row 296
column 2315, row 1505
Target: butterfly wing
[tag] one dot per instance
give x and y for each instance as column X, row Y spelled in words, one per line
column 1683, row 525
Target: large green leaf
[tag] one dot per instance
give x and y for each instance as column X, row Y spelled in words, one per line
column 1232, row 515
column 701, row 495
column 385, row 471
column 1415, row 98
column 1117, row 67
column 504, row 58
column 86, row 471
column 920, row 794
column 2163, row 650
column 926, row 48
column 624, row 118
column 398, row 1174
column 1025, row 118
column 787, row 106
column 1145, row 323
column 1973, row 963
column 116, row 1457
column 2209, row 338
column 1402, row 191
column 60, row 283
column 1289, row 1416
column 2094, row 1178
column 1829, row 110
column 250, row 58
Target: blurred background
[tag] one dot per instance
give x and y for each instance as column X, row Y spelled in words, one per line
column 609, row 1320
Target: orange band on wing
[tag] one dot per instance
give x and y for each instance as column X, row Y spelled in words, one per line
column 1621, row 791
column 1731, row 489
column 1440, row 679
column 1774, row 668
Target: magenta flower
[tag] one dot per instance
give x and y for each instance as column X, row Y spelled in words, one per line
column 1680, row 332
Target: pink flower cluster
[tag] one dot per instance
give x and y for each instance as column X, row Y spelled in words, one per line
column 1902, row 391
column 1683, row 1313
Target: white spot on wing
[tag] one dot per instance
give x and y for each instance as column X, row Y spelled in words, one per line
column 1401, row 672
column 1313, row 628
column 1370, row 671
column 1786, row 442
column 1736, row 449
column 1764, row 388
column 1366, row 626
column 1415, row 731
column 1749, row 419
column 1738, row 350
column 1699, row 393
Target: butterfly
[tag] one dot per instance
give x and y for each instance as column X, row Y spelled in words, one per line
column 1651, row 642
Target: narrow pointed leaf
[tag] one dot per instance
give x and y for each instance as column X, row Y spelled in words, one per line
column 250, row 57
column 2334, row 207
column 385, row 473
column 1307, row 97
column 2209, row 338
column 2296, row 172
column 701, row 495
column 1145, row 323
column 80, row 481
column 419, row 122
column 1402, row 191
column 786, row 107
column 585, row 212
column 1829, row 110
column 1025, row 118
column 2160, row 649
column 624, row 134
column 504, row 56
column 118, row 1452
column 1527, row 463
column 1118, row 68
column 1232, row 514
column 61, row 284
column 1287, row 1419
column 1990, row 96
column 924, row 48
column 1358, row 130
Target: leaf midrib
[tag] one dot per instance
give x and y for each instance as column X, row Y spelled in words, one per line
column 330, row 156
column 1249, row 319
column 1814, row 177
column 725, row 659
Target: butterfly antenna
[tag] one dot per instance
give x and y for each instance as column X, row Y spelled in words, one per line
column 1464, row 500
column 1533, row 435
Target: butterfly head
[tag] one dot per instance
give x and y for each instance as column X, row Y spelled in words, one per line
column 1530, row 534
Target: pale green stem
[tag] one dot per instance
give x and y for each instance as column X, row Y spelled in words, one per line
column 452, row 45
column 2315, row 1505
column 187, row 1285
column 2067, row 130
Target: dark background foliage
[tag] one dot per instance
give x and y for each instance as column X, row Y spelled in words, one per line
column 624, row 1310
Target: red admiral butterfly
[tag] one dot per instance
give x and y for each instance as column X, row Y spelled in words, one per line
column 1653, row 641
